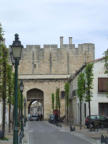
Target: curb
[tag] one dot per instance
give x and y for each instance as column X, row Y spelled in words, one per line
column 88, row 139
column 74, row 133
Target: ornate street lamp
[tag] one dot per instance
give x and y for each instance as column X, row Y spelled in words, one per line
column 16, row 50
column 11, row 56
column 21, row 90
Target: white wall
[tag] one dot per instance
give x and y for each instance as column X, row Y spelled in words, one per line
column 98, row 71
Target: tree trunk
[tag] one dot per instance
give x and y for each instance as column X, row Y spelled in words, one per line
column 80, row 114
column 89, row 108
column 67, row 112
column 13, row 118
column 59, row 111
column 3, row 117
column 19, row 116
column 9, row 128
column 4, row 92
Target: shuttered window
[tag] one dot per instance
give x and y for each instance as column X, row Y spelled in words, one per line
column 74, row 93
column 62, row 94
column 102, row 84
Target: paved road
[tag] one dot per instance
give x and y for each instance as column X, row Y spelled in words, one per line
column 45, row 133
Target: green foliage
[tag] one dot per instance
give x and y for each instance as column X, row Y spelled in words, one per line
column 106, row 61
column 9, row 71
column 12, row 93
column 89, row 81
column 81, row 86
column 5, row 139
column 1, row 33
column 4, row 71
column 81, row 92
column 10, row 85
column 106, row 65
column 19, row 96
column 52, row 96
column 57, row 99
column 5, row 76
column 66, row 87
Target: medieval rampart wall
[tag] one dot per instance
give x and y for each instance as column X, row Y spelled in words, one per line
column 53, row 60
column 49, row 67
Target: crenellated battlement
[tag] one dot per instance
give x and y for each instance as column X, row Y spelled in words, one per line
column 51, row 46
column 53, row 60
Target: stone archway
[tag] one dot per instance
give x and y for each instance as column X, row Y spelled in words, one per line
column 35, row 95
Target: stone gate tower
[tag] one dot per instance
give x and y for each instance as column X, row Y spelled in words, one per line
column 45, row 69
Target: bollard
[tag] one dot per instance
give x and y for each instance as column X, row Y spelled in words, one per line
column 102, row 139
column 72, row 128
column 106, row 140
column 1, row 134
column 92, row 128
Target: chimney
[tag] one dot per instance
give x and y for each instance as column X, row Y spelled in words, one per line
column 70, row 40
column 61, row 41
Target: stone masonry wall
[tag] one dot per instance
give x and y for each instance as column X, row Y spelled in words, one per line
column 53, row 60
column 48, row 87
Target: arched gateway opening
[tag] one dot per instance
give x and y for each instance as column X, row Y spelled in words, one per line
column 35, row 100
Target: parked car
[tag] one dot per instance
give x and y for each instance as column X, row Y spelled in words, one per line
column 98, row 121
column 34, row 117
column 51, row 118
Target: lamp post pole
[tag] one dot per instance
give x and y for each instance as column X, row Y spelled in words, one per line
column 15, row 54
column 21, row 89
column 15, row 139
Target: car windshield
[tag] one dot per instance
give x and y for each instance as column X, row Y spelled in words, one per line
column 93, row 117
column 101, row 117
column 51, row 116
column 34, row 115
column 97, row 117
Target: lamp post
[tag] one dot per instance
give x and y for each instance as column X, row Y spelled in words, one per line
column 21, row 89
column 16, row 50
column 24, row 112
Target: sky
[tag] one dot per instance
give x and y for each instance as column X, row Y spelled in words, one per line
column 44, row 21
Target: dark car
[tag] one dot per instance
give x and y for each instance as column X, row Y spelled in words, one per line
column 51, row 118
column 96, row 121
column 34, row 117
column 54, row 118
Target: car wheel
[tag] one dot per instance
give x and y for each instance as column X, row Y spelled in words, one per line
column 102, row 126
column 91, row 126
column 87, row 126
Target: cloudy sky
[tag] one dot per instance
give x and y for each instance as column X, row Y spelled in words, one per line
column 44, row 21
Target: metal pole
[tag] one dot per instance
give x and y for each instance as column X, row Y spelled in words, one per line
column 22, row 129
column 24, row 113
column 15, row 135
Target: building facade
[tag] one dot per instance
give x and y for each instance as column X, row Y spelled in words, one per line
column 99, row 100
column 45, row 69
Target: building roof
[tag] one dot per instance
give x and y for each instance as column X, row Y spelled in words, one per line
column 82, row 67
column 77, row 72
column 97, row 60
